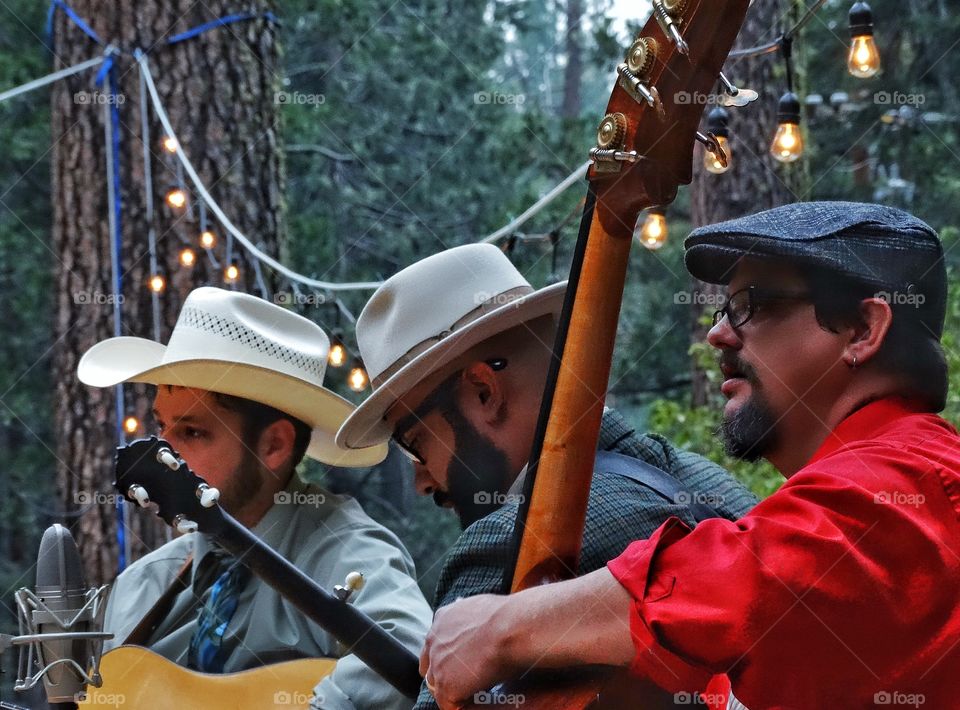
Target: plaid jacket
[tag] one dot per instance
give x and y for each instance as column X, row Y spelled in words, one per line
column 619, row 512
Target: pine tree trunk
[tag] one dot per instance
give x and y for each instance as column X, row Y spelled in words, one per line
column 755, row 180
column 218, row 89
column 573, row 71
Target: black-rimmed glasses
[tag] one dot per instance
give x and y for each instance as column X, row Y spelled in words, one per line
column 742, row 305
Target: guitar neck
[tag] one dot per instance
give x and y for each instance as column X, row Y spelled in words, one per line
column 350, row 626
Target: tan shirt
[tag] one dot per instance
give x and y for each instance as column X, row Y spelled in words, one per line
column 326, row 536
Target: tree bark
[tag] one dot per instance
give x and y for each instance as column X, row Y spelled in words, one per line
column 218, row 89
column 573, row 71
column 755, row 180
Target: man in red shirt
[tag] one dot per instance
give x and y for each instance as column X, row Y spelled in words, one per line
column 842, row 589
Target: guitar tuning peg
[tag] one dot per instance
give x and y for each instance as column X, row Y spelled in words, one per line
column 353, row 583
column 184, row 525
column 166, row 457
column 208, row 496
column 139, row 494
column 734, row 96
column 668, row 13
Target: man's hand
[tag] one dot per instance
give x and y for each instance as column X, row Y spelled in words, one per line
column 477, row 642
column 466, row 649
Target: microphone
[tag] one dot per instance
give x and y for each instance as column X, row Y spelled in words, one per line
column 61, row 637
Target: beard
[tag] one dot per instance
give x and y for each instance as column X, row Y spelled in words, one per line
column 244, row 484
column 750, row 432
column 476, row 473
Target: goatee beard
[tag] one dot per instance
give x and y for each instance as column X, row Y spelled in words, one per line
column 750, row 432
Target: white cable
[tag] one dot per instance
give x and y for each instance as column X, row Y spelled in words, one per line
column 50, row 78
column 221, row 216
column 506, row 231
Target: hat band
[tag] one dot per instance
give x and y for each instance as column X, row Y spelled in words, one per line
column 491, row 304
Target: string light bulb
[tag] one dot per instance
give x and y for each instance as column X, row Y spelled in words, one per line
column 653, row 233
column 188, row 257
column 176, row 198
column 169, row 144
column 357, row 379
column 717, row 124
column 208, row 240
column 338, row 353
column 864, row 59
column 787, row 144
column 131, row 424
column 157, row 283
column 231, row 274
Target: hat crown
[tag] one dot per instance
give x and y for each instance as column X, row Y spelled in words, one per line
column 426, row 301
column 216, row 324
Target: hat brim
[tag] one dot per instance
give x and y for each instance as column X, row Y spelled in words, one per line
column 128, row 359
column 367, row 426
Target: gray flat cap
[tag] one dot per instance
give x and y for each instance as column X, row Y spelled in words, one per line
column 876, row 245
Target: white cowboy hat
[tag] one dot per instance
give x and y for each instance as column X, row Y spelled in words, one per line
column 430, row 313
column 237, row 344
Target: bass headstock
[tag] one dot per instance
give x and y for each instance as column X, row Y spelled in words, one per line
column 645, row 142
column 152, row 474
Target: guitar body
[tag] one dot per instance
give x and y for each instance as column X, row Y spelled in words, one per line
column 136, row 677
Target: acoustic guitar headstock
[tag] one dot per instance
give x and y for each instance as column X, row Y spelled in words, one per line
column 645, row 142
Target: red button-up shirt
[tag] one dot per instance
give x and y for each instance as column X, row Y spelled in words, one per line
column 841, row 590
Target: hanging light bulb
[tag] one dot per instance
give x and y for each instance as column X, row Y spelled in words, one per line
column 157, row 283
column 176, row 198
column 357, row 379
column 864, row 59
column 208, row 240
column 131, row 424
column 170, row 144
column 787, row 144
column 653, row 233
column 717, row 122
column 338, row 353
column 188, row 257
column 231, row 274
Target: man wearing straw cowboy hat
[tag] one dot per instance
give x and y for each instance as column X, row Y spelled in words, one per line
column 457, row 347
column 240, row 395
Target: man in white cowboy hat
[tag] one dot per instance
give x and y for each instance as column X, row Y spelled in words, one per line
column 240, row 395
column 457, row 347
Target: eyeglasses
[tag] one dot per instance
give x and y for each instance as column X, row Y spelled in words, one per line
column 742, row 305
column 443, row 396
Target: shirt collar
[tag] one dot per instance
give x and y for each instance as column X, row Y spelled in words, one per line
column 865, row 423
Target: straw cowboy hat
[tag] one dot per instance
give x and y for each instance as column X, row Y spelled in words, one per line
column 240, row 345
column 430, row 313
